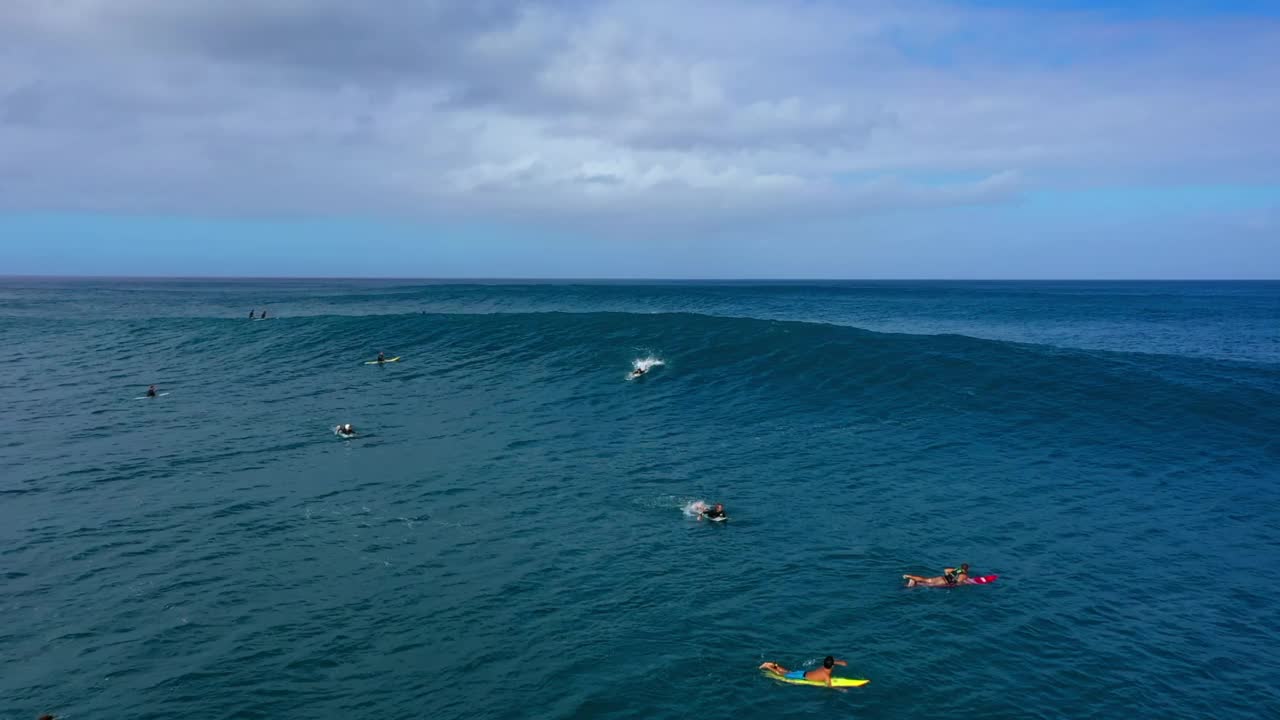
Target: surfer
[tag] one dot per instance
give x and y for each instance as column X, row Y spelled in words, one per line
column 638, row 372
column 715, row 512
column 347, row 430
column 949, row 576
column 822, row 674
column 151, row 391
column 250, row 314
column 382, row 357
column 264, row 315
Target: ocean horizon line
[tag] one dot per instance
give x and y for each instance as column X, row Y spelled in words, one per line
column 583, row 279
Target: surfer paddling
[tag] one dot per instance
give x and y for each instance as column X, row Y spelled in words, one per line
column 949, row 576
column 347, row 430
column 714, row 512
column 821, row 675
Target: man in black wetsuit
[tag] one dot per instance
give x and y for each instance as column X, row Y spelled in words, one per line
column 151, row 391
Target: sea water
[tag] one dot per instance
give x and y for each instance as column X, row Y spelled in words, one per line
column 506, row 536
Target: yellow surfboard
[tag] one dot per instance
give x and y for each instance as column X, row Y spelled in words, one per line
column 835, row 681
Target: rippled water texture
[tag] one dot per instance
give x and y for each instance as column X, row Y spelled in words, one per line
column 506, row 535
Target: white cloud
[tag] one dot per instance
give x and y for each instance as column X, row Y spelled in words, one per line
column 685, row 112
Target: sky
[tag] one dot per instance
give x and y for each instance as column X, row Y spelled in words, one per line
column 641, row 138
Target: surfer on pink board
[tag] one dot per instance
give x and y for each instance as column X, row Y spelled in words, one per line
column 950, row 577
column 819, row 675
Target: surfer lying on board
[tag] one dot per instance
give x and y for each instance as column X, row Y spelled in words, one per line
column 347, row 430
column 822, row 674
column 949, row 576
column 151, row 391
column 715, row 512
column 638, row 372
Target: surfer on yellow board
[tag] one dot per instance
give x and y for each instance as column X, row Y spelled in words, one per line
column 818, row 675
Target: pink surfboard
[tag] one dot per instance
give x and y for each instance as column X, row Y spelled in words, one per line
column 980, row 580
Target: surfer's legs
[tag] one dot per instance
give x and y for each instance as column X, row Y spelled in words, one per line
column 913, row 580
column 775, row 668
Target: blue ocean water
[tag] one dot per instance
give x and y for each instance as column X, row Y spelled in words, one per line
column 505, row 537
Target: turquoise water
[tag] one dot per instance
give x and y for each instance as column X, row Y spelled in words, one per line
column 505, row 538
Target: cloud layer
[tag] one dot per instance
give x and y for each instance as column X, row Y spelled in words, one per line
column 641, row 110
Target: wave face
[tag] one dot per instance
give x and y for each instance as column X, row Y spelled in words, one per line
column 512, row 507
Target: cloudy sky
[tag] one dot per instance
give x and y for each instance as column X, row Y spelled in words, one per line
column 641, row 138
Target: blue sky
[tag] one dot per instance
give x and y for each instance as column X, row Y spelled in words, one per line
column 630, row 138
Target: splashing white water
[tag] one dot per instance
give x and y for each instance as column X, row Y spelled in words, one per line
column 647, row 363
column 644, row 365
column 696, row 508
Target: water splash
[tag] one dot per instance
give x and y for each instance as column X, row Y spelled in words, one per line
column 695, row 508
column 643, row 366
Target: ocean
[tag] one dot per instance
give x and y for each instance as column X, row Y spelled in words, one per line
column 506, row 536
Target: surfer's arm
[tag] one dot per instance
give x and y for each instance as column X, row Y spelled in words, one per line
column 842, row 662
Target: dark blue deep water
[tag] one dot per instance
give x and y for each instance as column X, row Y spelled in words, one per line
column 505, row 538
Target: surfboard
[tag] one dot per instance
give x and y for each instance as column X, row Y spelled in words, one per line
column 375, row 362
column 980, row 580
column 835, row 681
column 148, row 397
column 722, row 518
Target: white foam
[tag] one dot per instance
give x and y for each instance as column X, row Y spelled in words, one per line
column 696, row 508
column 645, row 364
